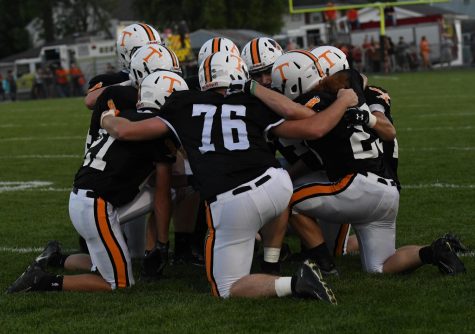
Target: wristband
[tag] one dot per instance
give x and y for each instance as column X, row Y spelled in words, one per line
column 109, row 112
column 252, row 88
column 372, row 120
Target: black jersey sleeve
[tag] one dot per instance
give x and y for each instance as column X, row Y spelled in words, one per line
column 104, row 80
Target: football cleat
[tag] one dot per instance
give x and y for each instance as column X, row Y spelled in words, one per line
column 445, row 258
column 455, row 243
column 309, row 283
column 29, row 280
column 153, row 265
column 51, row 250
column 327, row 267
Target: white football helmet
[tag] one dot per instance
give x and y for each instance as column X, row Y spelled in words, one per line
column 296, row 72
column 151, row 58
column 261, row 53
column 331, row 59
column 217, row 44
column 133, row 37
column 220, row 68
column 156, row 87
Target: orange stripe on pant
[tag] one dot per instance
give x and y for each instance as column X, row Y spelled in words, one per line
column 113, row 248
column 209, row 252
column 319, row 189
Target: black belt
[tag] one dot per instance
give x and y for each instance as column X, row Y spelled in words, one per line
column 381, row 180
column 243, row 189
column 89, row 193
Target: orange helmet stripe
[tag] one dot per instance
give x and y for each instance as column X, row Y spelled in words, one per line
column 208, row 68
column 215, row 44
column 173, row 55
column 149, row 32
column 255, row 56
column 315, row 60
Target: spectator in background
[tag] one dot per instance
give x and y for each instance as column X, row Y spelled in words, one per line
column 357, row 55
column 62, row 84
column 2, row 91
column 330, row 17
column 11, row 85
column 48, row 81
column 77, row 80
column 472, row 48
column 353, row 20
column 402, row 55
column 366, row 46
column 412, row 56
column 446, row 50
column 390, row 16
column 424, row 49
column 38, row 91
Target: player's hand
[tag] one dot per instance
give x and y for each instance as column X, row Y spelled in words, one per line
column 348, row 96
column 113, row 111
column 360, row 116
column 241, row 86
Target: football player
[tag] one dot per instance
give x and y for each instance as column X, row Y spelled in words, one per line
column 356, row 170
column 102, row 184
column 259, row 55
column 235, row 171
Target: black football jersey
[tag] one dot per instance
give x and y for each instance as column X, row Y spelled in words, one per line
column 378, row 99
column 346, row 148
column 115, row 169
column 124, row 98
column 223, row 137
column 107, row 79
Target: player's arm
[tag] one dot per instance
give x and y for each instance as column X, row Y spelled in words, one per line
column 383, row 127
column 91, row 97
column 281, row 104
column 319, row 124
column 123, row 129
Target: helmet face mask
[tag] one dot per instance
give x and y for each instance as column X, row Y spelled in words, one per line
column 219, row 69
column 215, row 45
column 150, row 58
column 260, row 54
column 331, row 59
column 157, row 87
column 295, row 73
column 133, row 37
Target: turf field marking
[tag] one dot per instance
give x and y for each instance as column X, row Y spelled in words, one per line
column 19, row 185
column 465, row 113
column 26, row 250
column 40, row 138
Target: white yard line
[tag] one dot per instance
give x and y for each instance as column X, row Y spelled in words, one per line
column 451, row 148
column 438, row 128
column 438, row 185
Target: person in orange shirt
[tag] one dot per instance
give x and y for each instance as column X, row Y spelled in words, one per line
column 62, row 85
column 424, row 49
column 352, row 17
column 77, row 80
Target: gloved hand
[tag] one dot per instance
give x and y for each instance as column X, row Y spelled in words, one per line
column 242, row 86
column 360, row 116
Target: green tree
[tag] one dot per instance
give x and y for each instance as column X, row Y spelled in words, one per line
column 265, row 16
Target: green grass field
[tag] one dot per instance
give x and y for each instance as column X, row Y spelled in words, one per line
column 40, row 150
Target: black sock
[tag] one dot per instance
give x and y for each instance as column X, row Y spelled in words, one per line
column 57, row 261
column 50, row 282
column 319, row 252
column 272, row 268
column 183, row 243
column 292, row 284
column 426, row 255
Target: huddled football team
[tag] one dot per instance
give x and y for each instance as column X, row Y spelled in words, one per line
column 261, row 142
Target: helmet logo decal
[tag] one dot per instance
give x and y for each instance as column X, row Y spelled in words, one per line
column 234, row 50
column 280, row 68
column 324, row 56
column 172, row 83
column 154, row 51
column 239, row 64
column 124, row 33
